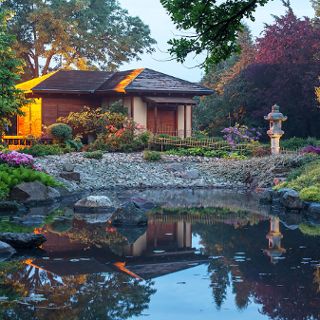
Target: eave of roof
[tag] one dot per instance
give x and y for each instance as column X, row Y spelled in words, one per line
column 27, row 86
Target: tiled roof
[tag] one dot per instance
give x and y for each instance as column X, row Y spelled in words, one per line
column 100, row 82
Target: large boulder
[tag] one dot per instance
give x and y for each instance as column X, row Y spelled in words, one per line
column 71, row 176
column 314, row 208
column 95, row 204
column 129, row 214
column 6, row 251
column 23, row 240
column 143, row 204
column 34, row 192
column 291, row 200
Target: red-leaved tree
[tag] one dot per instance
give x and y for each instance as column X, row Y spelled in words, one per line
column 290, row 40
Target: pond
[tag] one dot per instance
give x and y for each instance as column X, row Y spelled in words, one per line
column 203, row 255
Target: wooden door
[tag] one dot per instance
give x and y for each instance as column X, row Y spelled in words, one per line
column 162, row 119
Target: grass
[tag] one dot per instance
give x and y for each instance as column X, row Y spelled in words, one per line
column 151, row 155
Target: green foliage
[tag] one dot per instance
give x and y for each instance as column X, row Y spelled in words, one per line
column 12, row 176
column 8, row 226
column 215, row 27
column 310, row 230
column 11, row 99
column 204, row 152
column 151, row 155
column 74, row 145
column 98, row 154
column 311, row 193
column 296, row 143
column 40, row 150
column 60, row 132
column 305, row 180
column 81, row 34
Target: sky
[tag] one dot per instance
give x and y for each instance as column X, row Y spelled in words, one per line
column 153, row 14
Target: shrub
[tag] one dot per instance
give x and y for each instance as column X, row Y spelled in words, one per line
column 40, row 150
column 240, row 134
column 151, row 155
column 311, row 193
column 74, row 145
column 311, row 149
column 94, row 154
column 12, row 176
column 310, row 230
column 296, row 143
column 60, row 132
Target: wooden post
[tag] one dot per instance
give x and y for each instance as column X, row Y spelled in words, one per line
column 185, row 120
column 132, row 107
column 155, row 119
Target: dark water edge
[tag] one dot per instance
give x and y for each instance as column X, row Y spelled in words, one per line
column 205, row 254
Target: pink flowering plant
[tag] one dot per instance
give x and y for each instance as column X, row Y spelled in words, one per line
column 240, row 134
column 16, row 159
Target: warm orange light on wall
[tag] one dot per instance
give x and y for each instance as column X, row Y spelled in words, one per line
column 121, row 86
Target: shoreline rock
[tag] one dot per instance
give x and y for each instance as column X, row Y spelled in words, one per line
column 22, row 240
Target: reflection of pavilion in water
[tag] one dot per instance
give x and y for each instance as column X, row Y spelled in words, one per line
column 161, row 249
column 274, row 236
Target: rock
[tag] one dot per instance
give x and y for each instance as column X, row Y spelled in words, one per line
column 175, row 167
column 72, row 176
column 95, row 204
column 191, row 174
column 291, row 200
column 266, row 196
column 6, row 251
column 10, row 206
column 93, row 218
column 28, row 192
column 68, row 167
column 23, row 240
column 143, row 204
column 314, row 208
column 132, row 234
column 129, row 215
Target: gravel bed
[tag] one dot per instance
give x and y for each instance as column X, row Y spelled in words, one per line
column 116, row 170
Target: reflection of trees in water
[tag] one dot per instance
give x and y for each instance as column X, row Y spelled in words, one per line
column 287, row 290
column 94, row 296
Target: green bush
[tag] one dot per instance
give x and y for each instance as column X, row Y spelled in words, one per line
column 204, row 152
column 12, row 176
column 310, row 230
column 98, row 154
column 296, row 143
column 311, row 193
column 74, row 145
column 60, row 132
column 151, row 155
column 40, row 150
column 305, row 180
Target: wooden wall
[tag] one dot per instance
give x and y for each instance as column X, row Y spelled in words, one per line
column 53, row 108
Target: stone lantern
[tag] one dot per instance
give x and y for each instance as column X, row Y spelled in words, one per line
column 274, row 236
column 275, row 118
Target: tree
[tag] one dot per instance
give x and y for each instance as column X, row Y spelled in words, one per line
column 11, row 99
column 216, row 26
column 289, row 40
column 76, row 34
column 284, row 71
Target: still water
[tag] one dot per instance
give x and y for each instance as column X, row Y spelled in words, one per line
column 198, row 261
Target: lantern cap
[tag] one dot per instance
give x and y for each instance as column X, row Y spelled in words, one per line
column 275, row 114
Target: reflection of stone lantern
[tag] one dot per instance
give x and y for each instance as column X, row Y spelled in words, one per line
column 274, row 236
column 275, row 117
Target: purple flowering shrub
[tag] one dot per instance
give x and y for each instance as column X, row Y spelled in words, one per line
column 240, row 134
column 311, row 149
column 17, row 159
